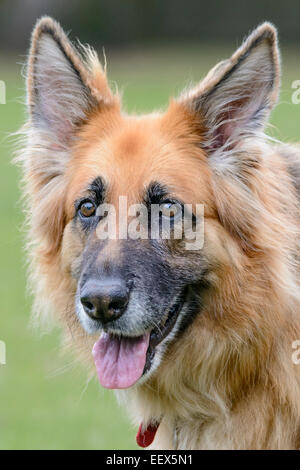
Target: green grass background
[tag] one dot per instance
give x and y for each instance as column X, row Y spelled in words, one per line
column 45, row 402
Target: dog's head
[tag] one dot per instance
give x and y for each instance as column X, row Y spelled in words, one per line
column 105, row 188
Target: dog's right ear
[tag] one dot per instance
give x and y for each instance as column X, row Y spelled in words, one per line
column 63, row 86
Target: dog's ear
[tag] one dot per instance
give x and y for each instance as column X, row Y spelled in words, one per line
column 63, row 85
column 235, row 98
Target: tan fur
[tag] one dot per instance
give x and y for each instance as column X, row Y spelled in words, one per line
column 229, row 382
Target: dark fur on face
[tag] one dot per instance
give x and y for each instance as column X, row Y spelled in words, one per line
column 159, row 274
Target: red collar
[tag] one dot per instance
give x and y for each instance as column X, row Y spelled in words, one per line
column 146, row 436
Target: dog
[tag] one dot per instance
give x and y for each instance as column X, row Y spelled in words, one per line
column 197, row 342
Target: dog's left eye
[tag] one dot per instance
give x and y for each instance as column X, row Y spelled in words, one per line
column 170, row 210
column 87, row 208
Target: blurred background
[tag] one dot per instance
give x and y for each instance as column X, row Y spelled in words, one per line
column 153, row 49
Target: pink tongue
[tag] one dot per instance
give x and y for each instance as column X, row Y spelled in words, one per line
column 120, row 361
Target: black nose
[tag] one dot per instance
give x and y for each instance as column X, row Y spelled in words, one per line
column 105, row 300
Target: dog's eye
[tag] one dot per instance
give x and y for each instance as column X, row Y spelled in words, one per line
column 170, row 210
column 87, row 209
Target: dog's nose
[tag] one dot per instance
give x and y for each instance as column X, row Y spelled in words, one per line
column 105, row 300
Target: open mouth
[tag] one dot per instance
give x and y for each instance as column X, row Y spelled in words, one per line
column 121, row 361
column 159, row 333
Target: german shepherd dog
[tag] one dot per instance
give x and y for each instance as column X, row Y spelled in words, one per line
column 198, row 342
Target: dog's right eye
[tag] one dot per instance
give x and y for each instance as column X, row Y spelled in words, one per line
column 87, row 208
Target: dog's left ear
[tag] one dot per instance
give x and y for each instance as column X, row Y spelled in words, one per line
column 63, row 86
column 235, row 98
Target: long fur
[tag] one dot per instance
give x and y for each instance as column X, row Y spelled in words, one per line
column 229, row 382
